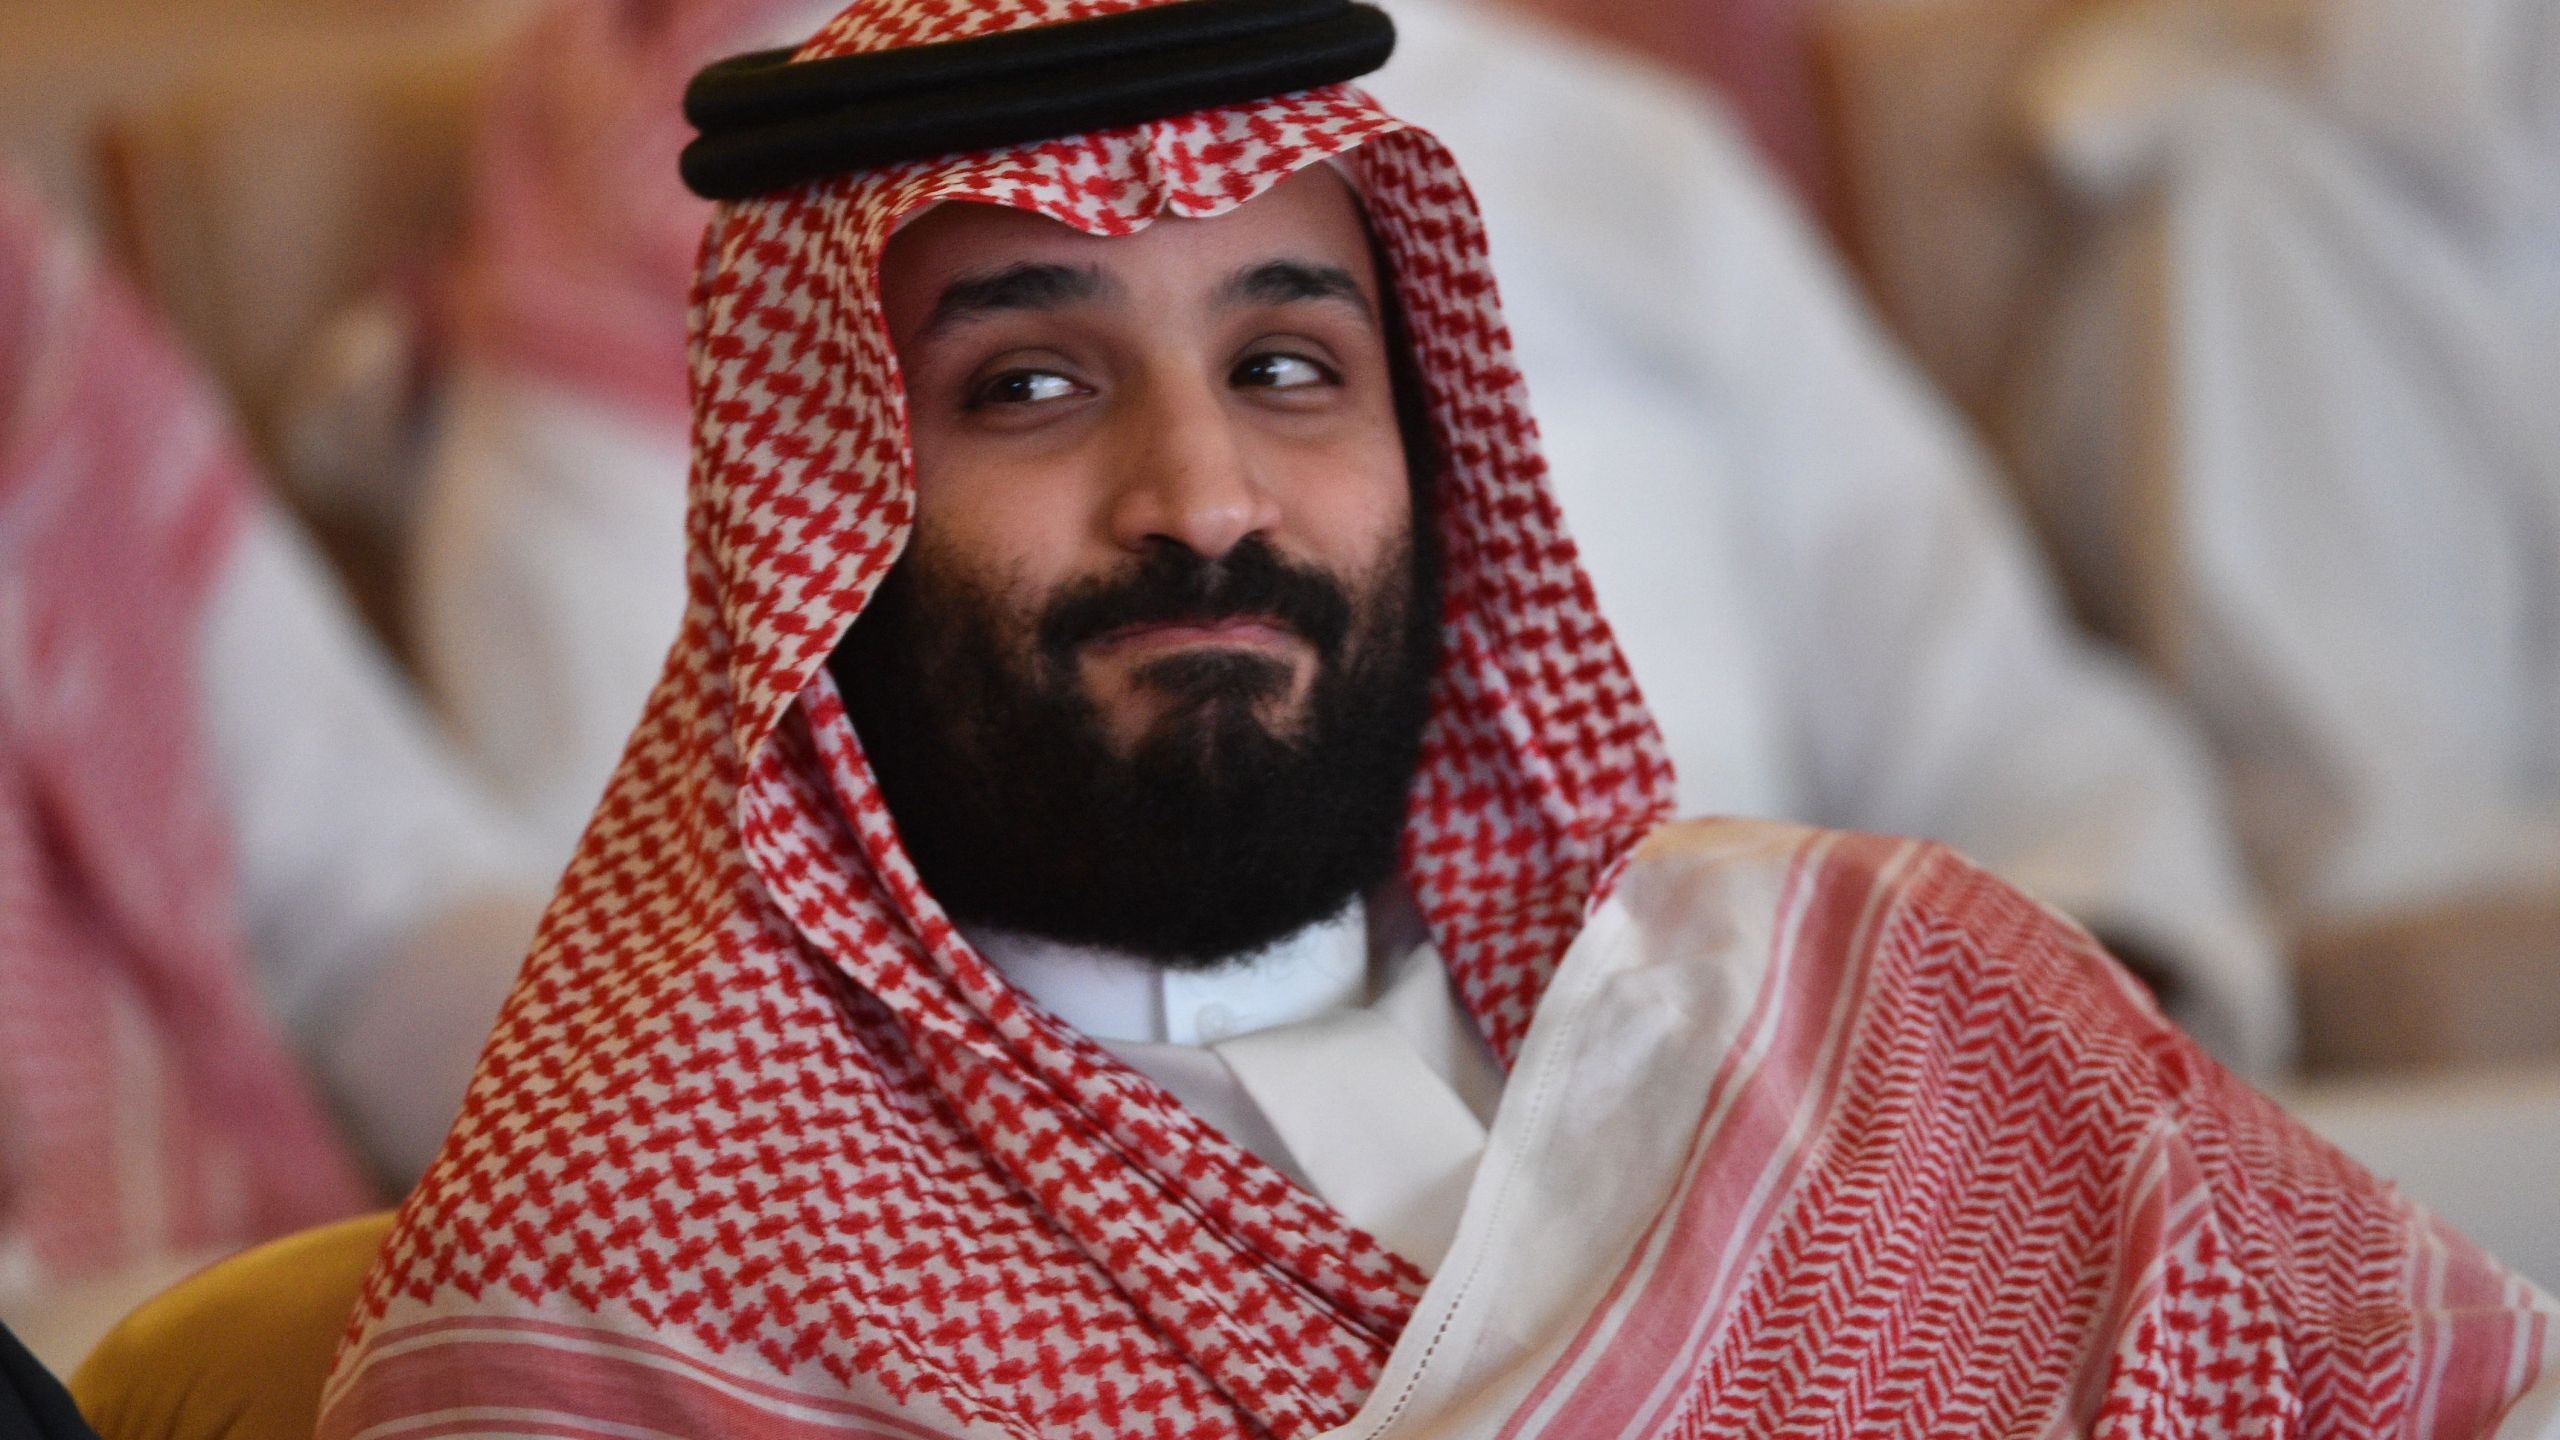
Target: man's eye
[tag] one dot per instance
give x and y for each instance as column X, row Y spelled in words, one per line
column 1024, row 387
column 1282, row 372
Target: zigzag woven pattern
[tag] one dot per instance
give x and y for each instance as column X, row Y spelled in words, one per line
column 2031, row 1205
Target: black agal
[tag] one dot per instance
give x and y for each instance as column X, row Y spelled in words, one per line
column 768, row 122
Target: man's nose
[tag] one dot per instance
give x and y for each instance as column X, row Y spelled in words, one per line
column 1187, row 473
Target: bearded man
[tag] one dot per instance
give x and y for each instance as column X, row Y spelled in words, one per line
column 1142, row 905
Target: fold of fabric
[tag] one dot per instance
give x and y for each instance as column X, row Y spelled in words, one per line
column 1818, row 1133
column 1890, row 1150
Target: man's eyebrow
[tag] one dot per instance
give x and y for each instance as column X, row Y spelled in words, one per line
column 1278, row 282
column 1028, row 285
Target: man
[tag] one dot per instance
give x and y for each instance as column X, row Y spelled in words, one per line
column 1121, row 561
column 227, row 843
column 1829, row 607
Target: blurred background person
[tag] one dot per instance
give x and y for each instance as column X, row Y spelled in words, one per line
column 2256, row 297
column 150, row 1110
column 2318, row 309
column 229, row 855
column 547, row 560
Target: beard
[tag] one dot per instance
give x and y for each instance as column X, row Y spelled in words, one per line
column 1233, row 822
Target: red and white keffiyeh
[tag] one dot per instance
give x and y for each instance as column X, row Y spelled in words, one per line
column 761, row 1146
column 146, row 1106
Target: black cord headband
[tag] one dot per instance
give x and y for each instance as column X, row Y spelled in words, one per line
column 768, row 123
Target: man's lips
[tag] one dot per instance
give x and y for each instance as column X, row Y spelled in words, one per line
column 1243, row 631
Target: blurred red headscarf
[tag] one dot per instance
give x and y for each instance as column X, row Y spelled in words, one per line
column 581, row 246
column 146, row 1106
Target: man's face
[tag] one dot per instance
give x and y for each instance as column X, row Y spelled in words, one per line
column 1079, row 405
column 1151, row 673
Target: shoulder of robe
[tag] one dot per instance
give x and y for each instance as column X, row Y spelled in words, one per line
column 1940, row 940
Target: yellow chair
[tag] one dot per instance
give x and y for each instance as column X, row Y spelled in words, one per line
column 236, row 1351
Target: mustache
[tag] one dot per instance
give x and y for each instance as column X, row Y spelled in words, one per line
column 1173, row 585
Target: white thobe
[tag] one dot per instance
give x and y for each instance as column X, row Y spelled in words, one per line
column 1829, row 611
column 1339, row 1055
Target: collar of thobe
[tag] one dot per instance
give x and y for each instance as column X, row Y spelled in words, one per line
column 1114, row 996
column 1361, row 1079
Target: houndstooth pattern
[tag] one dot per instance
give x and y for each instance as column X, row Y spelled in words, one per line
column 753, row 1090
